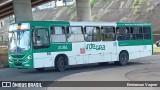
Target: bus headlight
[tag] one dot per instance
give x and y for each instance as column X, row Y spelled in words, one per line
column 29, row 57
column 9, row 57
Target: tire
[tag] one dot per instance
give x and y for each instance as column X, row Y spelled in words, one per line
column 123, row 59
column 158, row 45
column 60, row 64
column 40, row 69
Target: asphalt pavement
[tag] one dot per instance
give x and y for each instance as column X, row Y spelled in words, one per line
column 146, row 69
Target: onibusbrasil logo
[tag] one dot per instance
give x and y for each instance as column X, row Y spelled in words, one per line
column 94, row 46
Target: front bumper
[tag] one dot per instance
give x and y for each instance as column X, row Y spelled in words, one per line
column 16, row 64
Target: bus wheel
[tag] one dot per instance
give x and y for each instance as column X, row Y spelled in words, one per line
column 60, row 64
column 123, row 58
column 40, row 69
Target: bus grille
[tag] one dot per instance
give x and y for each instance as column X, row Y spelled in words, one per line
column 18, row 64
column 17, row 56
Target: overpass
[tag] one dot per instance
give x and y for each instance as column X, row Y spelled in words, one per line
column 22, row 9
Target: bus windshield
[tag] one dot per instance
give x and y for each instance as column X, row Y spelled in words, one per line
column 19, row 41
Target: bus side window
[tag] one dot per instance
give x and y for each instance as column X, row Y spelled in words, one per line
column 74, row 34
column 92, row 34
column 147, row 33
column 123, row 33
column 108, row 33
column 58, row 34
column 41, row 38
column 46, row 37
column 136, row 33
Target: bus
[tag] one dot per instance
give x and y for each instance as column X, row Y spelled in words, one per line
column 58, row 44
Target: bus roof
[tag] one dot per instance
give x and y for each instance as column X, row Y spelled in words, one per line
column 93, row 23
column 85, row 23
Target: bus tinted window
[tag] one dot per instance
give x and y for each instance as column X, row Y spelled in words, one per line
column 92, row 34
column 146, row 30
column 123, row 33
column 108, row 33
column 147, row 33
column 58, row 34
column 136, row 33
column 74, row 34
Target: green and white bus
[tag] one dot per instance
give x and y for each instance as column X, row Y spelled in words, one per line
column 58, row 44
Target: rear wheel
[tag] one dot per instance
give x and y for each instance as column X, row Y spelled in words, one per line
column 158, row 44
column 60, row 64
column 123, row 59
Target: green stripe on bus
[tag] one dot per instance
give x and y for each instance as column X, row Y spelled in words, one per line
column 56, row 47
column 135, row 42
column 128, row 24
column 61, row 47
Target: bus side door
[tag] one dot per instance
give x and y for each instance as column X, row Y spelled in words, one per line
column 109, row 40
column 41, row 45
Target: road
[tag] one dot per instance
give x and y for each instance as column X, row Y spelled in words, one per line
column 147, row 68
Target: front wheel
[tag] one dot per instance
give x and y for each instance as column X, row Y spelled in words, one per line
column 60, row 64
column 123, row 59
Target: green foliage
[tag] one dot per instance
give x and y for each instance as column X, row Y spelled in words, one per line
column 9, row 19
column 93, row 2
column 94, row 18
column 150, row 9
column 137, row 5
column 72, row 7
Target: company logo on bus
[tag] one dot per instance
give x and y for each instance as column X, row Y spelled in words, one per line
column 94, row 46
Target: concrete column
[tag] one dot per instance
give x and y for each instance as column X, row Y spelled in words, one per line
column 22, row 10
column 83, row 10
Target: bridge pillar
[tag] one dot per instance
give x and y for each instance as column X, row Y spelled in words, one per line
column 22, row 10
column 83, row 10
